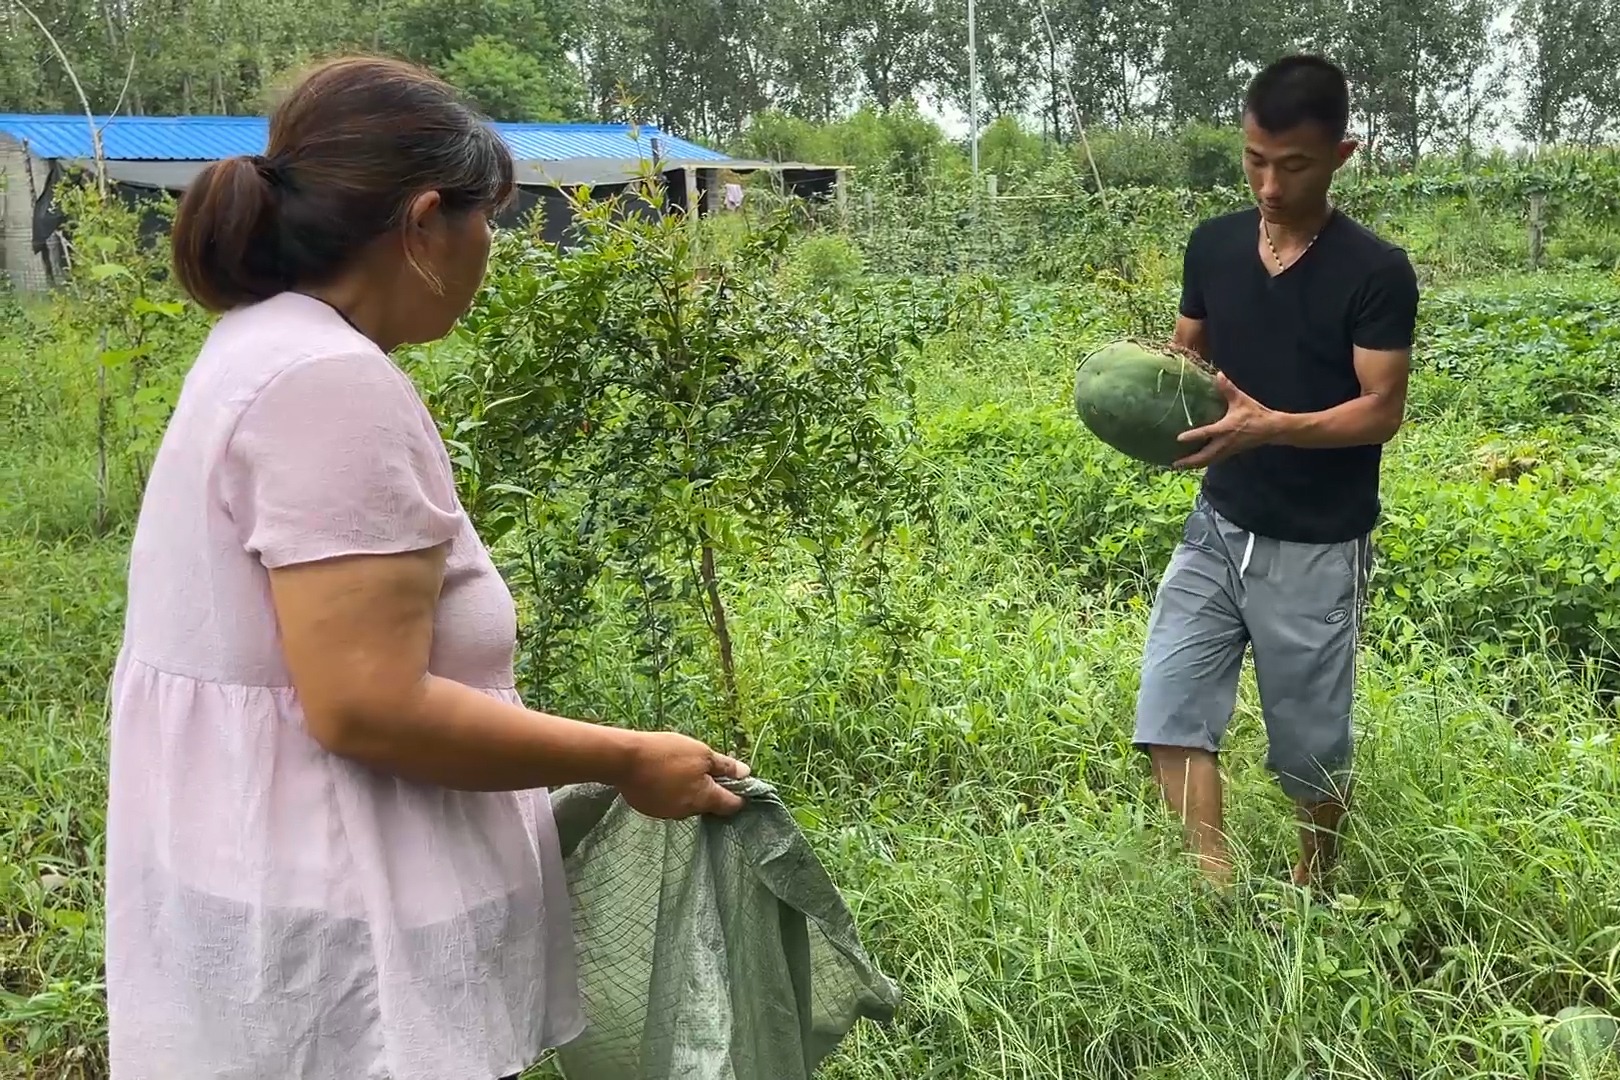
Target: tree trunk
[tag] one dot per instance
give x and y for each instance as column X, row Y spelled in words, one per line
column 1057, row 115
column 101, row 435
column 722, row 635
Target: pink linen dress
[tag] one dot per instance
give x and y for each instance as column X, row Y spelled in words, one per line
column 276, row 912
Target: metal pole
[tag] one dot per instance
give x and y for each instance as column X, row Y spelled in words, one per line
column 973, row 89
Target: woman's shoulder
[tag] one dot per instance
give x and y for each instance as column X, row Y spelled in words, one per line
column 263, row 341
column 294, row 358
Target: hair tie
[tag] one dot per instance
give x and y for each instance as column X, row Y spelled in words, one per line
column 267, row 168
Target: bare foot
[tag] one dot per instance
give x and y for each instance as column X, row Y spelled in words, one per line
column 1318, row 842
column 1302, row 874
column 1217, row 872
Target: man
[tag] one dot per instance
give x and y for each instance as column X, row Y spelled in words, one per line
column 1309, row 318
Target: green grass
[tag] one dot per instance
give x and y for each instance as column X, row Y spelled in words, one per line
column 981, row 807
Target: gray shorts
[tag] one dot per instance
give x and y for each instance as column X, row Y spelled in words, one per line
column 1299, row 606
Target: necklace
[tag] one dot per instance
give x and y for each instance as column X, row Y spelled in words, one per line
column 1276, row 258
column 339, row 312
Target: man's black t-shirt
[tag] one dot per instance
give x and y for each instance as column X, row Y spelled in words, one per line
column 1286, row 341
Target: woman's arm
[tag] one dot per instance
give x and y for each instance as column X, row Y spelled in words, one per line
column 357, row 632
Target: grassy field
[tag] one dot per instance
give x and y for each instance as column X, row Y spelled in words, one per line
column 982, row 811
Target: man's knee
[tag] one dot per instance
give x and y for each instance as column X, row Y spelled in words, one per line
column 1172, row 760
column 1311, row 759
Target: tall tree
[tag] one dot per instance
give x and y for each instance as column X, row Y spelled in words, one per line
column 892, row 41
column 1009, row 36
column 1408, row 58
column 1210, row 46
column 816, row 77
column 1571, row 67
column 1109, row 52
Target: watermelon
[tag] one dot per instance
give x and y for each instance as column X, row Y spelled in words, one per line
column 1582, row 1038
column 1139, row 397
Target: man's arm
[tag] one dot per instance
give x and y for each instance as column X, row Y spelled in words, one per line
column 1382, row 354
column 1385, row 323
column 1190, row 312
column 1189, row 334
column 1373, row 417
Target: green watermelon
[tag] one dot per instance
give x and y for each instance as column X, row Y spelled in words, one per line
column 1582, row 1038
column 1137, row 398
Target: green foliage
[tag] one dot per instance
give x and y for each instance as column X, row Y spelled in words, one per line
column 1547, row 352
column 1428, row 75
column 635, row 425
column 949, row 719
column 509, row 56
column 1053, row 226
column 1213, row 155
column 825, row 261
column 120, row 296
column 432, row 33
column 510, row 83
column 1009, row 149
column 1133, row 157
column 898, row 145
column 1058, row 231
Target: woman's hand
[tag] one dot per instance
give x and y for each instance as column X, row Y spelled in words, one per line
column 672, row 776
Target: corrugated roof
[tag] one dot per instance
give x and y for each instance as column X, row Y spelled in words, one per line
column 559, row 142
column 208, row 138
column 140, row 138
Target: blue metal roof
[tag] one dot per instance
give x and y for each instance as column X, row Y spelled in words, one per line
column 558, row 142
column 209, row 138
column 142, row 138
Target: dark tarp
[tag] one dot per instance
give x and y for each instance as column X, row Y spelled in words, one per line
column 131, row 181
column 572, row 172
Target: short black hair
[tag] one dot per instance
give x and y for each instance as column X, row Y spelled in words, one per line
column 1299, row 89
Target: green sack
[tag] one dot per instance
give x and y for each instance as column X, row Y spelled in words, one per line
column 711, row 948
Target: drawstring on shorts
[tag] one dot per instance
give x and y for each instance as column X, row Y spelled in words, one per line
column 1248, row 553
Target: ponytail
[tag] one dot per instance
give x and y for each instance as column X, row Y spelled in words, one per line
column 225, row 238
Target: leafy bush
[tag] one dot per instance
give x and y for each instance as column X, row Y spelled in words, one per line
column 825, row 261
column 636, row 427
column 1516, row 361
column 130, row 329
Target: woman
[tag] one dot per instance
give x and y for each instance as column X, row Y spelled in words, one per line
column 330, row 850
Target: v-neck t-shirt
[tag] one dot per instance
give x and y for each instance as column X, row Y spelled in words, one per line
column 1287, row 340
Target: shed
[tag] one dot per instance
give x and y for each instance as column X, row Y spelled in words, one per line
column 147, row 154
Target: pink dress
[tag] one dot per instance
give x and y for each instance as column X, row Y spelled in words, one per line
column 275, row 912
